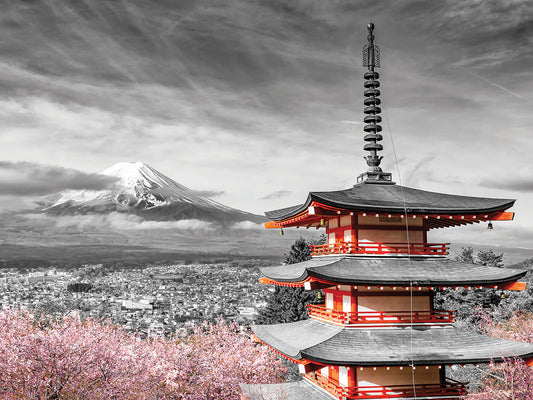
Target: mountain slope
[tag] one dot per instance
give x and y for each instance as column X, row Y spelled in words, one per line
column 142, row 190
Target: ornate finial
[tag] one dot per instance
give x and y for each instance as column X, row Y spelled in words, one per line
column 371, row 60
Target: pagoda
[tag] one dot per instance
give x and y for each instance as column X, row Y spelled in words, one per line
column 378, row 335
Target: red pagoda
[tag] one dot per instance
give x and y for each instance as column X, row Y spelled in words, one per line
column 378, row 335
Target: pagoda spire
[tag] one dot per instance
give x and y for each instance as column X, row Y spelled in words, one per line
column 371, row 60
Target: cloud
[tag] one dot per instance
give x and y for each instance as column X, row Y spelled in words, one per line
column 31, row 179
column 12, row 203
column 277, row 194
column 209, row 193
column 117, row 222
column 353, row 122
column 519, row 185
column 248, row 225
column 503, row 234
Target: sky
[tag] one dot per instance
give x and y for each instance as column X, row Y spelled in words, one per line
column 258, row 102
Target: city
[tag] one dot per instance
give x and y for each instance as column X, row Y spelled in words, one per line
column 152, row 300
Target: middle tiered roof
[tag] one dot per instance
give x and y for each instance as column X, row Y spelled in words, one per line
column 388, row 271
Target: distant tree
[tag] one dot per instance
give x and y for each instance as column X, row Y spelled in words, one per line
column 483, row 257
column 466, row 255
column 489, row 258
column 463, row 300
column 514, row 301
column 322, row 239
column 299, row 251
column 286, row 304
column 79, row 287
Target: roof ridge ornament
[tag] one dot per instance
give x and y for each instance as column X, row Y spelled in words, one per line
column 371, row 60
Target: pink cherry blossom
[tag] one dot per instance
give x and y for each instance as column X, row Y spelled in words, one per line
column 71, row 359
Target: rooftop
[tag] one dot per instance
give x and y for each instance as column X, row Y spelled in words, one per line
column 422, row 345
column 395, row 199
column 387, row 271
column 300, row 390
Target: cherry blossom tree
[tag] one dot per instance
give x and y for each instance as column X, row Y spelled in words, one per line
column 71, row 359
column 511, row 379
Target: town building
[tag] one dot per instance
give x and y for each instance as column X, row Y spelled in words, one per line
column 378, row 334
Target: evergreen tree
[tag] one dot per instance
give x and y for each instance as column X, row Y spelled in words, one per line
column 489, row 258
column 463, row 300
column 288, row 304
column 300, row 251
column 466, row 255
column 79, row 287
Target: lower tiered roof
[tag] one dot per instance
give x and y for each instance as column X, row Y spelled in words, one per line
column 392, row 271
column 421, row 345
column 304, row 390
column 300, row 390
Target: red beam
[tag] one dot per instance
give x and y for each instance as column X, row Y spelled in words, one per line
column 520, row 286
column 307, row 367
column 314, row 285
column 502, row 216
column 266, row 281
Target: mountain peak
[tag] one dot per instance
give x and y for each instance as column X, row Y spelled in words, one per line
column 141, row 189
column 138, row 173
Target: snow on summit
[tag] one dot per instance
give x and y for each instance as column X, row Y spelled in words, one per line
column 131, row 174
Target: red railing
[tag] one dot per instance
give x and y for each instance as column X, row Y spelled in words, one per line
column 440, row 249
column 449, row 388
column 380, row 317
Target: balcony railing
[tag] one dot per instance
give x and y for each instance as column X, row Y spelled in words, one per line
column 439, row 249
column 449, row 388
column 380, row 317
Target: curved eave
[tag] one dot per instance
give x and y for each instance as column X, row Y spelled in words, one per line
column 414, row 209
column 312, row 341
column 391, row 272
column 390, row 199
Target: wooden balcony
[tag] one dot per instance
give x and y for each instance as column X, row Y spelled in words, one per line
column 437, row 317
column 436, row 391
column 434, row 249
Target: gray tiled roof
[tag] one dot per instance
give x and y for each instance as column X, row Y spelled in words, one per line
column 300, row 390
column 427, row 345
column 390, row 198
column 392, row 271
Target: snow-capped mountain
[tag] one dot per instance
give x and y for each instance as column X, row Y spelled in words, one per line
column 142, row 190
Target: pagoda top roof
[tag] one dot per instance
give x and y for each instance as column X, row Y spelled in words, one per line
column 391, row 198
column 422, row 345
column 388, row 271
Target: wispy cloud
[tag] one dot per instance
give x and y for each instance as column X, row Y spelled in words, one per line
column 276, row 195
column 519, row 185
column 224, row 91
column 209, row 193
column 511, row 92
column 116, row 222
column 31, row 179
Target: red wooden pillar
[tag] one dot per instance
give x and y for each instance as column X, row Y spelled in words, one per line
column 334, row 374
column 352, row 377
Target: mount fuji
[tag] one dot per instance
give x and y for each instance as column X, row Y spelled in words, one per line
column 144, row 191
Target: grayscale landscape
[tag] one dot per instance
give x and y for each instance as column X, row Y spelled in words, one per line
column 141, row 142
